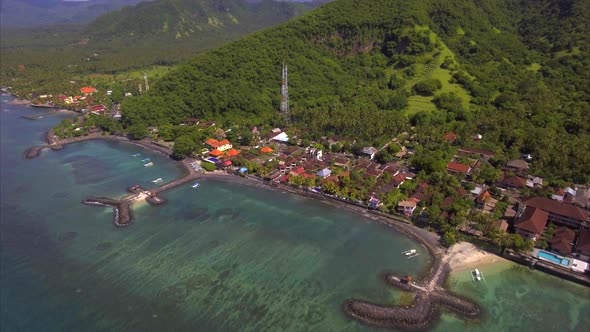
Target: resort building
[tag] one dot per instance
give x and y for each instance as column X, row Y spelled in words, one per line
column 222, row 145
column 562, row 241
column 583, row 243
column 531, row 223
column 559, row 213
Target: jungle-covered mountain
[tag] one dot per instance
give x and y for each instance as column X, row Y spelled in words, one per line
column 30, row 13
column 177, row 19
column 514, row 71
column 157, row 33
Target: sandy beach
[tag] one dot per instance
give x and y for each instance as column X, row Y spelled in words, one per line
column 466, row 256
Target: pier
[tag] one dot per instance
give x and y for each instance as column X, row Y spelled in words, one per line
column 430, row 298
column 122, row 207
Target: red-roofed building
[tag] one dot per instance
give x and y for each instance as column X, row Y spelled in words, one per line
column 232, row 153
column 562, row 241
column 216, row 153
column 87, row 90
column 531, row 223
column 559, row 213
column 458, row 168
column 583, row 244
column 266, row 149
column 398, row 180
column 222, row 145
column 98, row 109
column 297, row 171
column 512, row 182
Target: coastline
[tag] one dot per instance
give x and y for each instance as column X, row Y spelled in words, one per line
column 431, row 295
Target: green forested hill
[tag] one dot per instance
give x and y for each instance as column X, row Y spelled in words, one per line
column 515, row 71
column 177, row 19
column 156, row 33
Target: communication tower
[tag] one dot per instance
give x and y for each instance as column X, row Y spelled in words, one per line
column 285, row 95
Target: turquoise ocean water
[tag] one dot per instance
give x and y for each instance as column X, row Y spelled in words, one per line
column 222, row 257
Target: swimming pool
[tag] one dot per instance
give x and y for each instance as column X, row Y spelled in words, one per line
column 553, row 258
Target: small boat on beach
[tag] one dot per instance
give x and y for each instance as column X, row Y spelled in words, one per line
column 195, row 185
column 476, row 275
column 148, row 164
column 158, row 180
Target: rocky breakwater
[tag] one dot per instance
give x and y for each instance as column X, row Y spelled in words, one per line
column 430, row 299
column 122, row 212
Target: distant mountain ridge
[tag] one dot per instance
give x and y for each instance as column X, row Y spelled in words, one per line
column 33, row 13
column 178, row 19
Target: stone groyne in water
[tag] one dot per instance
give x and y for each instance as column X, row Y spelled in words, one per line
column 122, row 212
column 422, row 314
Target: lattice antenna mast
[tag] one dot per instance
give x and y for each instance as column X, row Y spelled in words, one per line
column 285, row 94
column 147, row 86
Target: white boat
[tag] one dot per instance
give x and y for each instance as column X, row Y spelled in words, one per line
column 135, row 155
column 195, row 185
column 146, row 159
column 148, row 164
column 158, row 180
column 410, row 253
column 476, row 275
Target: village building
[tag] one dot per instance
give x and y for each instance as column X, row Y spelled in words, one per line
column 222, row 145
column 500, row 225
column 98, row 109
column 324, row 173
column 341, row 161
column 406, row 207
column 531, row 224
column 370, row 152
column 517, row 166
column 534, row 181
column 266, row 149
column 458, row 168
column 282, row 137
column 512, row 182
column 87, row 90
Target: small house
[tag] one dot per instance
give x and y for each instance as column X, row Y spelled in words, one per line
column 324, row 173
column 406, row 207
column 370, row 152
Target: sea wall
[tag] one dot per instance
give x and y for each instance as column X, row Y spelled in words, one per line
column 549, row 268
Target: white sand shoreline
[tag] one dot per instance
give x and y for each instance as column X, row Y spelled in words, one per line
column 466, row 256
